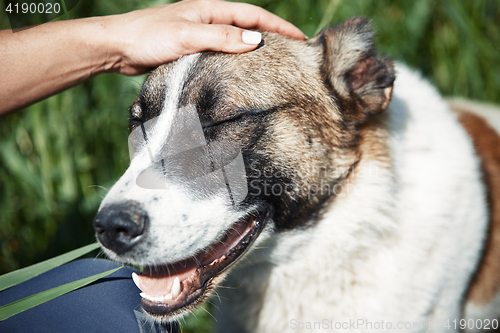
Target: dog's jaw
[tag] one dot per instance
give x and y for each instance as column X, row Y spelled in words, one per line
column 171, row 290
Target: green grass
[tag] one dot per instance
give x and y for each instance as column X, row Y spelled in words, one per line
column 58, row 157
column 24, row 274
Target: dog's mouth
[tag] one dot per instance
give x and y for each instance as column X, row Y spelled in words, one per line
column 170, row 288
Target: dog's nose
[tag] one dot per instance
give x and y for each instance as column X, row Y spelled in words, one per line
column 119, row 227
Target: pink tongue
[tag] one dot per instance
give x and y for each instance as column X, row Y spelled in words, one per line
column 157, row 286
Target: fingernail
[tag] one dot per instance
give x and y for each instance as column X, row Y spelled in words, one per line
column 251, row 37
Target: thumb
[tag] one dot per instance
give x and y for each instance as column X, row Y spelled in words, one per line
column 221, row 37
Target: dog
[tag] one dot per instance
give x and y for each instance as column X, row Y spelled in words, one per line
column 309, row 185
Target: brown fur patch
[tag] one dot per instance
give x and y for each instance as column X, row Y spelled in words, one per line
column 374, row 140
column 486, row 282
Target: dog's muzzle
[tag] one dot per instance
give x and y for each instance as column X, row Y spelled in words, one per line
column 120, row 226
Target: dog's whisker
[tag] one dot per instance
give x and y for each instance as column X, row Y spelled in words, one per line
column 214, row 292
column 193, row 313
column 170, row 268
column 219, row 297
column 98, row 186
column 209, row 313
column 215, row 306
column 228, row 287
column 183, row 319
column 261, row 247
column 196, row 260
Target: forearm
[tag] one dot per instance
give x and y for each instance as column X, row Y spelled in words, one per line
column 46, row 59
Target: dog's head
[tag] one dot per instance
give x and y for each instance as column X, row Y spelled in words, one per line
column 225, row 146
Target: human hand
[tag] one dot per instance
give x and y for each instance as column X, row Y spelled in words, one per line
column 147, row 38
column 46, row 59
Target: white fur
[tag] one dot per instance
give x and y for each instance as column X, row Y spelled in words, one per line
column 399, row 247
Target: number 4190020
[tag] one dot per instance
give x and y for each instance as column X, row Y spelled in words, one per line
column 41, row 8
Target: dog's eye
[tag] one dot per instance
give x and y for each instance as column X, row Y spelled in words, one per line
column 209, row 123
column 135, row 118
column 134, row 122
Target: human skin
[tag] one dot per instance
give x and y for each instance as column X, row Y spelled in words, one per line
column 46, row 59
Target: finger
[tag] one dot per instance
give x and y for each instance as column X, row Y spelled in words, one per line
column 218, row 37
column 251, row 17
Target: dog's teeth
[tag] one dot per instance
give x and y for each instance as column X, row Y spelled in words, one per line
column 135, row 278
column 151, row 298
column 176, row 287
column 157, row 299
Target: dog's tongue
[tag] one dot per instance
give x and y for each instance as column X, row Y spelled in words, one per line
column 162, row 282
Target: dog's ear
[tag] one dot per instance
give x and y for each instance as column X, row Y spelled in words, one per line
column 361, row 81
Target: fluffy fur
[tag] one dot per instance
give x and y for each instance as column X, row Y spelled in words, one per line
column 386, row 213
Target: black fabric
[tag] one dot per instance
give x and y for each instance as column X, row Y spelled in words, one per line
column 110, row 304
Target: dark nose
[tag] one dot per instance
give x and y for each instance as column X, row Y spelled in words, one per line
column 121, row 226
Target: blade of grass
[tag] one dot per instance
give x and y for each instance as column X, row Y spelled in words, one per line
column 328, row 15
column 18, row 276
column 64, row 6
column 29, row 302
